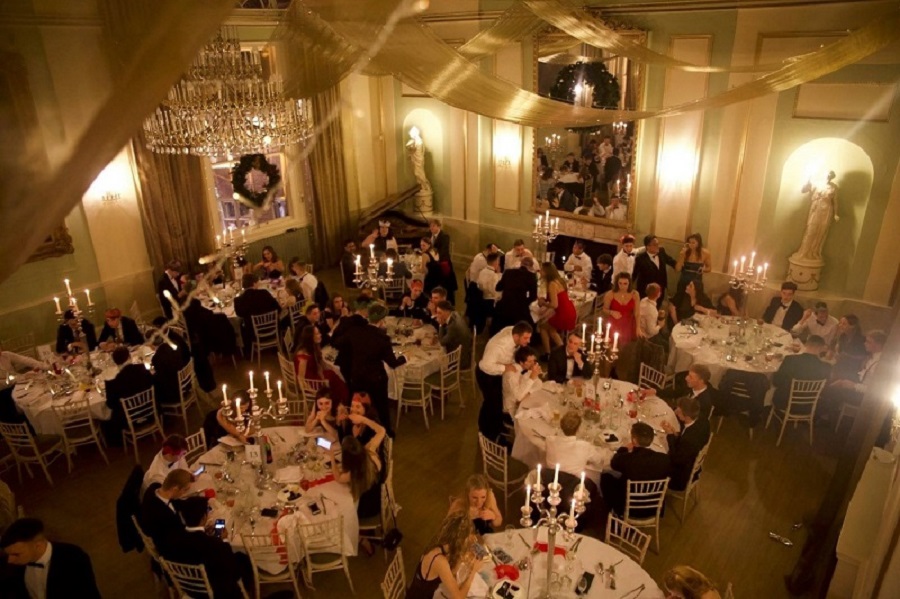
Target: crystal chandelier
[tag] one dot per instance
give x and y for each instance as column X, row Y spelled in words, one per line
column 228, row 103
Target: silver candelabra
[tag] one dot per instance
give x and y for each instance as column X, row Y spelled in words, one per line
column 78, row 313
column 546, row 229
column 368, row 276
column 602, row 350
column 748, row 279
column 247, row 422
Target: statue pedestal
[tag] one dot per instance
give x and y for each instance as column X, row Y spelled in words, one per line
column 424, row 202
column 804, row 272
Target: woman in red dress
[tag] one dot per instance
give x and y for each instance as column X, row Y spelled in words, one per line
column 564, row 317
column 621, row 307
column 309, row 365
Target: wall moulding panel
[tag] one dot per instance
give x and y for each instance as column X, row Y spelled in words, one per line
column 845, row 101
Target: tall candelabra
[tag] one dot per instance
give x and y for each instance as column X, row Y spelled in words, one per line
column 369, row 276
column 548, row 515
column 78, row 314
column 249, row 421
column 601, row 350
column 747, row 279
column 232, row 249
column 552, row 143
column 546, row 230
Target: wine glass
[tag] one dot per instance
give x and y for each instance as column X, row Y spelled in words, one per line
column 509, row 531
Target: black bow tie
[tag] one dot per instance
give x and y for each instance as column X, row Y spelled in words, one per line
column 630, row 255
column 785, row 306
column 525, row 371
column 34, row 565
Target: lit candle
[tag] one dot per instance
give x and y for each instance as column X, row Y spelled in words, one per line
column 371, row 250
column 251, row 380
column 539, row 474
column 572, row 511
column 734, row 272
column 765, row 270
column 556, row 475
column 268, row 387
column 743, row 259
column 218, row 242
column 527, row 495
column 600, row 324
column 758, row 273
column 548, row 217
column 752, row 258
column 68, row 288
column 237, row 406
column 582, row 480
column 608, row 325
column 593, row 338
column 583, row 333
column 390, row 263
column 87, row 292
column 243, row 237
column 615, row 342
column 74, row 302
column 278, row 384
column 225, row 234
column 537, row 223
column 224, row 394
column 58, row 309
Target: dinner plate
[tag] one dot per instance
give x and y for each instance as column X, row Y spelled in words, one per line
column 290, row 494
column 230, row 441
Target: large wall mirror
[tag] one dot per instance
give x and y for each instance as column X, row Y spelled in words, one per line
column 587, row 173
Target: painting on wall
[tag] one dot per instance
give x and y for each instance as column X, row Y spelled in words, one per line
column 58, row 243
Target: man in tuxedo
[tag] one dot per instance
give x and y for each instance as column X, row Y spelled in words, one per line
column 562, row 199
column 131, row 380
column 650, row 267
column 170, row 281
column 66, row 335
column 568, row 361
column 440, row 241
column 253, row 302
column 117, row 330
column 196, row 546
column 697, row 381
column 414, row 303
column 624, row 260
column 633, row 461
column 601, row 277
column 312, row 316
column 851, row 391
column 348, row 263
column 685, row 444
column 159, row 516
column 497, row 359
column 514, row 256
column 345, row 334
column 519, row 287
column 453, row 333
column 783, row 311
column 40, row 569
column 167, row 362
column 805, row 366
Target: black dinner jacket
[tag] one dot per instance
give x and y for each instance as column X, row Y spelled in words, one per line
column 199, row 548
column 69, row 574
column 441, row 244
column 793, row 316
column 65, row 335
column 567, row 201
column 556, row 368
column 131, row 380
column 370, row 347
column 519, row 287
column 165, row 284
column 707, row 400
column 343, row 337
column 418, row 310
column 253, row 302
column 683, row 450
column 601, row 282
column 166, row 364
column 801, row 367
column 159, row 522
column 130, row 331
column 646, row 272
column 641, row 463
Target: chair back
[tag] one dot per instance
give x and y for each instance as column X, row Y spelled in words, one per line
column 267, row 549
column 186, row 378
column 189, row 580
column 627, row 539
column 494, row 460
column 22, row 345
column 265, row 326
column 322, row 536
column 18, row 438
column 140, row 408
column 310, row 387
column 644, row 497
column 698, row 462
column 804, row 394
column 651, row 378
column 729, row 592
column 388, row 445
column 74, row 415
column 394, row 584
column 472, row 360
column 393, row 289
column 148, row 541
column 451, row 363
column 289, row 377
column 196, row 445
column 136, row 315
column 296, row 313
column 287, row 342
column 412, row 379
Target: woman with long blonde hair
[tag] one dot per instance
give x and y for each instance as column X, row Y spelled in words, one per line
column 481, row 504
column 449, row 549
column 684, row 582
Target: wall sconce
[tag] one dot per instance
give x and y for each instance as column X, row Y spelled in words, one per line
column 506, row 149
column 678, row 166
column 110, row 196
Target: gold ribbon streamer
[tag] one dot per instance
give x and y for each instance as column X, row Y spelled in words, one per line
column 514, row 25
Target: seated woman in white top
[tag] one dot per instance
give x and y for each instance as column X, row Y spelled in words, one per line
column 518, row 384
column 571, row 453
column 169, row 458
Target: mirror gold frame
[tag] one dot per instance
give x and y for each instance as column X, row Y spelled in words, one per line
column 630, row 76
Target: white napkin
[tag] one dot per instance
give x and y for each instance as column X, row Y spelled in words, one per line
column 479, row 587
column 552, row 387
column 288, row 474
column 542, row 412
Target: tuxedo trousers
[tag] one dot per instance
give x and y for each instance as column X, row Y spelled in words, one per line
column 490, row 418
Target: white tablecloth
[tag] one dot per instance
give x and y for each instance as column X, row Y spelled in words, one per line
column 589, row 556
column 246, row 495
column 533, row 422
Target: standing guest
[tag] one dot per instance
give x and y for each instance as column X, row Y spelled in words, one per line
column 848, row 351
column 271, row 264
column 252, row 302
column 310, row 365
column 615, row 210
column 166, row 363
column 620, row 304
column 634, row 461
column 697, row 381
column 731, row 303
column 440, row 241
column 683, row 582
column 212, row 331
column 564, row 316
column 805, row 366
column 652, row 318
column 381, row 237
column 348, row 263
column 693, row 261
column 624, row 260
column 308, row 282
column 783, row 311
column 343, row 336
column 693, row 300
column 117, row 330
column 817, row 322
column 430, row 264
column 568, row 361
column 453, row 333
column 579, row 263
column 170, row 281
column 612, row 171
column 371, row 350
column 168, row 459
column 516, row 254
column 519, row 287
column 519, row 383
column 480, row 261
column 498, row 358
column 66, row 335
column 443, row 556
column 481, row 505
column 601, row 277
column 487, row 282
column 324, row 416
column 131, row 380
column 650, row 267
column 685, row 445
column 43, row 570
column 414, row 303
column 159, row 516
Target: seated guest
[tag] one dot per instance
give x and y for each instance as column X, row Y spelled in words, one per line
column 453, row 333
column 42, row 569
column 197, row 546
column 169, row 281
column 252, row 302
column 697, row 381
column 167, row 362
column 519, row 383
column 731, row 303
column 685, row 445
column 312, row 316
column 131, row 380
column 499, row 358
column 360, row 420
column 348, row 263
column 169, row 459
column 293, row 293
column 361, row 469
column 487, row 280
column 381, row 237
column 851, row 390
column 310, row 365
column 414, row 303
column 683, row 582
column 615, row 210
column 220, row 426
column 67, row 340
column 437, row 295
column 159, row 516
column 601, row 277
column 691, row 301
column 634, row 461
column 118, row 330
column 399, row 268
column 324, row 416
column 568, row 361
column 573, row 455
column 336, row 310
column 652, row 318
column 805, row 366
column 481, row 505
column 10, row 363
column 579, row 263
column 516, row 254
column 271, row 265
column 440, row 561
column 817, row 322
column 783, row 311
column 308, row 282
column 848, row 350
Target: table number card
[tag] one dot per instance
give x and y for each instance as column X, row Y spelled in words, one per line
column 253, row 454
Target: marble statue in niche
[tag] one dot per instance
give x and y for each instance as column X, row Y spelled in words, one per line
column 415, row 147
column 805, row 265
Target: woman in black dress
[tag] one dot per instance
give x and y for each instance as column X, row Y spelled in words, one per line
column 689, row 302
column 481, row 505
column 431, row 265
column 450, row 548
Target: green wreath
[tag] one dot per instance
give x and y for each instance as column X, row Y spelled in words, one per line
column 254, row 199
column 606, row 86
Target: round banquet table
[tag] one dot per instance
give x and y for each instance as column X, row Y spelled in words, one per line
column 534, row 421
column 719, row 345
column 241, row 501
column 590, row 556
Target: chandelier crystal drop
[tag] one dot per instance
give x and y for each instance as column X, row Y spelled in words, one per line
column 228, row 103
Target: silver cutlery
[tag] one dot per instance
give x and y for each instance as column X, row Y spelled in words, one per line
column 780, row 539
column 524, row 541
column 638, row 589
column 617, row 563
column 574, row 547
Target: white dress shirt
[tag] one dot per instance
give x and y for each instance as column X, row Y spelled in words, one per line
column 513, row 261
column 478, row 264
column 36, row 578
column 867, row 370
column 159, row 469
column 498, row 353
column 516, row 387
column 623, row 263
column 308, row 284
column 572, row 454
column 9, row 361
column 584, row 261
column 487, row 282
column 617, row 213
column 649, row 317
column 812, row 326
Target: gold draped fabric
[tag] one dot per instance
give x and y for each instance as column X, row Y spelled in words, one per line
column 516, row 24
column 169, row 38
